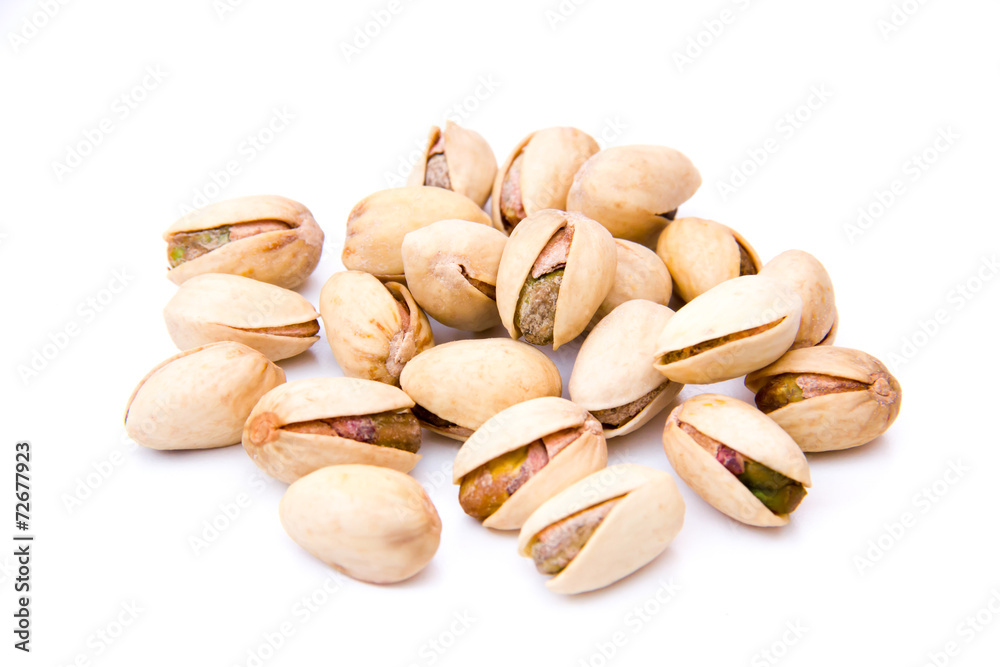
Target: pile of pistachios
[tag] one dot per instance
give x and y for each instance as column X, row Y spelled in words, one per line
column 579, row 244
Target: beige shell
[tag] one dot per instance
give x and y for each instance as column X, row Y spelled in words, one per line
column 364, row 326
column 737, row 305
column 378, row 223
column 373, row 524
column 521, row 425
column 551, row 157
column 199, row 398
column 809, row 278
column 465, row 382
column 639, row 274
column 701, row 254
column 438, row 262
column 743, row 428
column 215, row 307
column 287, row 455
column 284, row 258
column 615, row 364
column 471, row 163
column 841, row 420
column 629, row 189
column 646, row 519
column 588, row 278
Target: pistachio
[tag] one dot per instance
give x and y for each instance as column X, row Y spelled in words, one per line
column 538, row 173
column 267, row 238
column 639, row 274
column 828, row 398
column 457, row 386
column 199, row 398
column 703, row 253
column 810, row 280
column 556, row 270
column 603, row 528
column 524, row 455
column 633, row 190
column 373, row 524
column 737, row 459
column 457, row 159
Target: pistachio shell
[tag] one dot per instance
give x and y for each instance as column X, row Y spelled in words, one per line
column 471, row 163
column 282, row 257
column 810, row 280
column 378, row 223
column 701, row 254
column 639, row 274
column 642, row 524
column 199, row 398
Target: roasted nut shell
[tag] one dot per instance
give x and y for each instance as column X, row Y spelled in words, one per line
column 810, row 280
column 470, row 165
column 702, row 254
column 639, row 274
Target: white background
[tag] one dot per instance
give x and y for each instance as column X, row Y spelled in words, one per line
column 855, row 592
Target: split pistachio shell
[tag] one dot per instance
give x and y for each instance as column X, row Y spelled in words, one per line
column 457, row 159
column 289, row 453
column 639, row 274
column 746, row 430
column 374, row 329
column 809, row 278
column 200, row 398
column 589, row 271
column 834, row 397
column 373, row 524
column 459, row 385
column 213, row 307
column 284, row 254
column 648, row 515
column 378, row 223
column 703, row 253
column 451, row 269
column 543, row 167
column 613, row 376
column 732, row 329
column 633, row 190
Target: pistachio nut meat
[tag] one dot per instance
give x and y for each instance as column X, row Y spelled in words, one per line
column 737, row 459
column 828, row 398
column 456, row 159
column 538, row 173
column 457, row 386
column 524, row 455
column 555, row 272
column 378, row 223
column 305, row 425
column 613, row 376
column 200, row 398
column 736, row 327
column 633, row 190
column 639, row 274
column 603, row 528
column 703, row 253
column 266, row 237
column 213, row 307
column 451, row 270
column 810, row 280
column 373, row 328
column 373, row 524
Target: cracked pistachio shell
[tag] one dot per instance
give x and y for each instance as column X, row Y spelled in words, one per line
column 465, row 382
column 735, row 307
column 630, row 189
column 551, row 157
column 216, row 307
column 282, row 257
column 740, row 427
column 639, row 274
column 199, row 398
column 809, row 278
column 702, row 254
column 364, row 326
column 439, row 261
column 378, row 223
column 472, row 167
column 588, row 278
column 838, row 420
column 614, row 365
column 519, row 426
column 648, row 516
column 373, row 524
column 288, row 455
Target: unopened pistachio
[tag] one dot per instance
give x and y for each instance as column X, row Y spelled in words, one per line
column 703, row 253
column 639, row 274
column 810, row 280
column 457, row 159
